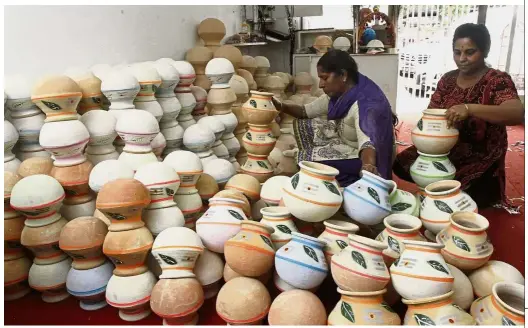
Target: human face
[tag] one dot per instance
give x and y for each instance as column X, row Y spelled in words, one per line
column 467, row 56
column 331, row 83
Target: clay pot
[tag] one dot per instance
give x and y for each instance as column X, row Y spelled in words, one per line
column 16, row 273
column 421, row 271
column 432, row 168
column 505, row 306
column 466, row 242
column 74, row 180
column 259, row 108
column 462, row 289
column 301, row 262
column 442, row 199
column 248, row 76
column 243, row 301
column 101, row 127
column 258, row 166
column 137, row 129
column 221, row 170
column 209, row 270
column 211, row 31
column 297, row 308
column 159, row 219
column 162, row 181
column 438, row 310
column 177, row 300
column 188, row 166
column 220, row 100
column 176, row 249
column 82, row 239
column 336, row 236
column 122, row 201
column 12, row 232
column 50, row 279
column 219, row 71
column 43, row 242
column 66, row 141
column 120, row 88
column 199, row 56
column 400, row 227
column 259, row 140
column 128, row 250
column 237, row 195
column 403, row 202
column 57, row 97
column 303, row 83
column 131, row 295
column 322, row 44
column 35, row 165
column 271, row 191
column 431, row 134
column 363, row 308
column 191, row 206
column 283, row 286
column 251, row 252
column 28, row 124
column 493, row 272
column 149, row 81
column 90, row 85
column 89, row 286
column 230, row 53
column 246, row 184
column 158, row 145
column 200, row 94
column 107, row 171
column 313, row 194
column 207, row 186
column 281, row 220
column 230, row 274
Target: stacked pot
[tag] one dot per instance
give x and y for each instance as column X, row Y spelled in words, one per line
column 92, row 97
column 199, row 56
column 184, row 93
column 211, row 31
column 261, row 72
column 239, row 85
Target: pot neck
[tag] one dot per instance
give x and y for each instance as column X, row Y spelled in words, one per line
column 367, row 245
column 445, row 300
column 307, row 240
column 443, row 189
column 256, row 227
column 386, row 185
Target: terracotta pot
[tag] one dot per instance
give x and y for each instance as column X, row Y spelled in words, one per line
column 505, row 306
column 281, row 220
column 322, row 44
column 207, row 186
column 442, row 199
column 211, row 31
column 66, row 141
column 35, row 165
column 248, row 76
column 483, row 278
column 271, row 191
column 220, row 100
column 122, row 201
column 128, row 250
column 50, row 279
column 237, row 195
column 432, row 168
column 259, row 108
column 259, row 140
column 209, row 271
column 89, row 286
column 438, row 310
column 177, row 300
column 403, row 202
column 230, row 274
column 230, row 53
column 12, row 232
column 431, row 134
column 82, row 239
column 57, row 97
column 336, row 236
column 258, row 166
column 74, row 180
column 363, row 308
column 162, row 181
column 400, row 227
column 191, row 206
column 43, row 242
column 251, row 252
column 246, row 184
column 16, row 273
column 199, row 56
column 297, row 308
column 92, row 97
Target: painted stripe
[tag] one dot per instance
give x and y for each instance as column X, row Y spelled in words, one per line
column 128, row 251
column 475, row 233
column 366, row 200
column 429, row 305
column 427, row 136
column 258, row 317
column 307, row 242
column 445, row 177
column 38, row 206
column 466, row 258
column 360, row 273
column 506, row 313
column 182, row 314
column 301, row 264
column 311, row 201
column 354, row 245
column 423, row 278
column 419, row 249
column 87, row 293
column 130, row 304
column 374, row 182
column 318, row 176
column 72, row 94
column 248, row 247
column 198, row 248
column 162, row 183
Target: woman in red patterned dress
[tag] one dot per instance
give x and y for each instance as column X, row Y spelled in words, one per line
column 480, row 103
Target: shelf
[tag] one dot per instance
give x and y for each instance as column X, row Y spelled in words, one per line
column 248, row 44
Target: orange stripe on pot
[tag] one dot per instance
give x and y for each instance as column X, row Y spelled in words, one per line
column 178, row 247
column 118, row 252
column 465, row 258
column 72, row 94
column 439, row 279
column 467, row 232
column 59, row 253
column 504, row 312
column 256, row 318
column 333, row 232
column 182, row 314
column 429, row 305
column 399, row 234
column 364, row 249
column 312, row 201
column 359, row 273
column 73, row 248
column 373, row 300
column 138, row 302
column 434, row 221
column 318, row 176
column 419, row 249
column 16, row 281
column 162, row 183
column 249, row 247
column 39, row 206
column 428, row 136
column 220, row 223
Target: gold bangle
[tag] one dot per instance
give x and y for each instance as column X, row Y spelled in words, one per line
column 466, row 107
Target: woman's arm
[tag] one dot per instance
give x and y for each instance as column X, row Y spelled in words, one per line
column 290, row 109
column 318, row 107
column 510, row 112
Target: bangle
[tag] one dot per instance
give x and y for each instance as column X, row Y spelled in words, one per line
column 467, row 107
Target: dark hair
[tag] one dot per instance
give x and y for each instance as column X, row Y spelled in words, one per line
column 339, row 61
column 478, row 33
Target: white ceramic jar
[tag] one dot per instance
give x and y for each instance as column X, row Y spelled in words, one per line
column 66, row 141
column 159, row 219
column 165, row 92
column 161, row 180
column 107, row 171
column 120, row 88
column 200, row 95
column 158, row 145
column 50, row 279
column 101, row 127
column 431, row 134
column 432, row 168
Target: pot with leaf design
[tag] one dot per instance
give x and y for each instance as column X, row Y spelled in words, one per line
column 359, row 267
column 128, row 250
column 57, row 97
column 251, row 251
column 466, row 242
column 442, row 199
column 421, row 271
column 336, row 236
column 436, row 311
column 259, row 108
column 176, row 249
column 258, row 166
column 363, row 308
column 367, row 200
column 259, row 140
column 505, row 306
column 400, row 227
column 403, row 202
column 281, row 220
column 431, row 134
column 313, row 194
column 301, row 262
column 432, row 168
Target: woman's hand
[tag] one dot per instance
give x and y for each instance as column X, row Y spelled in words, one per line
column 457, row 113
column 276, row 103
column 370, row 168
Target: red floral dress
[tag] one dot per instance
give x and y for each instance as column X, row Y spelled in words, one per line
column 479, row 155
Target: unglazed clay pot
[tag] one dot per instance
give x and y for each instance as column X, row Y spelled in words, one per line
column 43, row 242
column 259, row 108
column 159, row 219
column 122, row 201
column 220, row 99
column 128, row 250
column 209, row 271
column 400, row 227
column 246, row 184
column 92, row 97
column 281, row 220
column 158, row 145
column 359, row 267
column 149, row 81
column 82, row 239
column 433, row 311
column 230, row 53
column 50, row 279
column 248, row 76
column 200, row 94
column 432, row 168
column 463, row 291
column 107, row 171
column 74, row 180
column 207, row 187
column 57, row 97
column 177, row 300
column 89, row 286
column 322, row 44
column 271, row 192
column 297, row 308
column 131, row 295
column 35, row 165
column 259, row 140
column 258, row 166
column 211, row 31
column 220, row 222
column 219, row 71
column 421, row 271
column 492, row 272
column 65, row 141
column 363, row 308
column 237, row 195
column 301, row 262
column 336, row 236
column 505, row 306
column 313, row 194
column 176, row 249
column 12, row 233
column 16, row 273
column 403, row 202
column 251, row 252
column 442, row 199
column 243, row 301
column 162, row 181
column 101, row 127
column 431, row 134
column 466, row 242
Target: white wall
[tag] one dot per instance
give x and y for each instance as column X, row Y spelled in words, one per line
column 41, row 40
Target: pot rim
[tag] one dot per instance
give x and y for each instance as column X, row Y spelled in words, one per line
column 502, row 286
column 417, row 223
column 319, row 168
column 367, row 242
column 341, row 225
column 310, row 238
column 423, row 301
column 435, row 111
column 432, row 155
column 423, row 243
column 228, row 200
column 266, row 227
column 275, row 211
column 479, row 219
column 361, row 294
column 389, row 183
column 454, row 186
column 261, row 93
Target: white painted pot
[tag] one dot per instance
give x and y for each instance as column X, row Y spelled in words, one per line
column 50, row 279
column 161, row 180
column 89, row 286
column 159, row 219
column 431, row 134
column 281, row 220
column 432, row 168
column 66, row 140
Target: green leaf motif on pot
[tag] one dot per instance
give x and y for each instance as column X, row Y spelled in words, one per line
column 267, row 241
column 423, row 320
column 442, row 206
column 374, row 194
column 420, row 125
column 295, row 181
column 154, row 88
column 393, row 244
column 167, row 259
column 422, row 197
column 169, row 191
column 253, row 103
column 330, row 186
column 347, row 312
column 341, row 244
column 248, row 136
column 116, row 216
column 400, row 207
column 359, row 259
column 262, row 164
column 387, row 307
column 96, row 100
column 284, row 229
column 507, row 321
column 461, row 243
column 115, row 261
column 236, row 215
column 439, row 166
column 51, row 105
column 311, row 253
column 438, row 266
column 395, row 263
